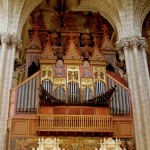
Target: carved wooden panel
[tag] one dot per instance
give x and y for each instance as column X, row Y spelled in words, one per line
column 20, row 127
column 33, row 127
column 24, row 126
column 123, row 128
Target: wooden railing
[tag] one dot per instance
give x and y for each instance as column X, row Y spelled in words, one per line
column 86, row 123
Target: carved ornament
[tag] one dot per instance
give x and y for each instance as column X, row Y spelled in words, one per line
column 72, row 61
column 87, row 82
column 99, row 73
column 86, row 39
column 48, row 51
column 11, row 41
column 134, row 42
column 47, row 72
column 35, row 42
column 6, row 39
column 143, row 43
column 72, row 51
column 60, row 82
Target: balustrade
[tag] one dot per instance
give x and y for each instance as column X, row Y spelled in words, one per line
column 75, row 123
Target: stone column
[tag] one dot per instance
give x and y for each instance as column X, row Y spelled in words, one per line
column 5, row 41
column 139, row 82
column 9, row 45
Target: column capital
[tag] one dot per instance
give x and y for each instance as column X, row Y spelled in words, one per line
column 16, row 42
column 137, row 42
column 134, row 42
column 11, row 40
column 123, row 43
column 118, row 46
column 143, row 43
column 5, row 39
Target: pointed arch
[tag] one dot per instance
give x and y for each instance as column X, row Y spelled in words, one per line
column 27, row 9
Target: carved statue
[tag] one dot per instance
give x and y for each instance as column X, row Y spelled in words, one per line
column 110, row 144
column 48, row 144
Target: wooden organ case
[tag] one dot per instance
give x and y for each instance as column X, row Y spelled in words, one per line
column 74, row 96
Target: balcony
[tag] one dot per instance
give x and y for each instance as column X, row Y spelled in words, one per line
column 74, row 123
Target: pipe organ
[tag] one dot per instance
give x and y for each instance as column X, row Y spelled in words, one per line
column 72, row 80
column 73, row 83
column 72, row 94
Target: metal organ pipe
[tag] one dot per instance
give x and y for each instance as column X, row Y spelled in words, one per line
column 120, row 104
column 27, row 95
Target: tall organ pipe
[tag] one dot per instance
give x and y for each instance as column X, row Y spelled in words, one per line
column 120, row 101
column 27, row 95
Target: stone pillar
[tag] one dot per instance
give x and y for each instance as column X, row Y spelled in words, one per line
column 5, row 41
column 9, row 45
column 139, row 82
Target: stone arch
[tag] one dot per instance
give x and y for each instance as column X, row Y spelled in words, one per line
column 111, row 14
column 145, row 11
column 27, row 9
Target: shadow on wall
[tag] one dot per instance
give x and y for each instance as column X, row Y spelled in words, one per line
column 33, row 68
